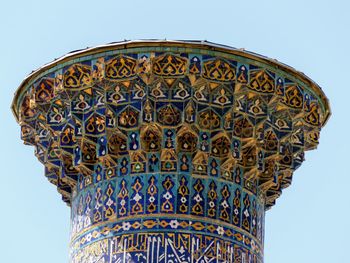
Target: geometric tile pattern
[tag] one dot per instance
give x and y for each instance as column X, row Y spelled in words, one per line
column 169, row 151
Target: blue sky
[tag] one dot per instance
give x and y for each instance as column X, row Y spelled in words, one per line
column 310, row 222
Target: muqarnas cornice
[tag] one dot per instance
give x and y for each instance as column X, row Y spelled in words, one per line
column 175, row 134
column 265, row 110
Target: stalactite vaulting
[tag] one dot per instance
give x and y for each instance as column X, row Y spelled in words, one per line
column 169, row 151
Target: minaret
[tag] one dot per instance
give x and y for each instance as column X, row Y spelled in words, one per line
column 169, row 151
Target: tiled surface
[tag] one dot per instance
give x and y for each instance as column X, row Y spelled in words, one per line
column 169, row 157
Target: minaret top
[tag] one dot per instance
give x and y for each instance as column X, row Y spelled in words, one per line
column 245, row 113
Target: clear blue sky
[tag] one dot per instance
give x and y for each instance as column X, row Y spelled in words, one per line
column 310, row 222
